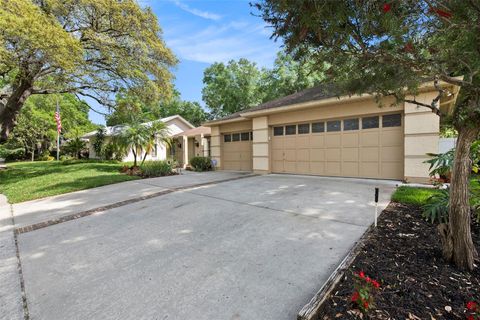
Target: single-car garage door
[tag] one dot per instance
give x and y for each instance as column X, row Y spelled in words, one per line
column 237, row 151
column 368, row 146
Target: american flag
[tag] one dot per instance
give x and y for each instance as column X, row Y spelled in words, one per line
column 58, row 120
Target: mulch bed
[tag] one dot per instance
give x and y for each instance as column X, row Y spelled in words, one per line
column 404, row 254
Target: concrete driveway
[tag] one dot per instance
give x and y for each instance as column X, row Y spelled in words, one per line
column 253, row 248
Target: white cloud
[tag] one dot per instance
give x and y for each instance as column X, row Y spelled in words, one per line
column 196, row 12
column 221, row 43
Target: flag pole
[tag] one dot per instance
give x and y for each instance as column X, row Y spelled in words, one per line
column 58, row 133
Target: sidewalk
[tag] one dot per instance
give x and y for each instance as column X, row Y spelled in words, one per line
column 10, row 291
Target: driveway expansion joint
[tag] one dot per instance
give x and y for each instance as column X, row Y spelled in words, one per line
column 86, row 213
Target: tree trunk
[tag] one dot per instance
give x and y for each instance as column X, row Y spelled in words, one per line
column 134, row 157
column 21, row 90
column 457, row 238
column 33, row 152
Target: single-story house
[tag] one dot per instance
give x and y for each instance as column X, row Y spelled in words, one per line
column 318, row 132
column 191, row 143
column 175, row 125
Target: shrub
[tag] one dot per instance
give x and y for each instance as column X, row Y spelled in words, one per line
column 436, row 208
column 156, row 168
column 45, row 156
column 201, row 163
column 12, row 154
column 364, row 292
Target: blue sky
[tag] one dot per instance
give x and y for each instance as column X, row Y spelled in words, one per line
column 203, row 32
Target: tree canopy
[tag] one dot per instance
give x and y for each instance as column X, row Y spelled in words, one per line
column 89, row 48
column 239, row 85
column 130, row 109
column 391, row 48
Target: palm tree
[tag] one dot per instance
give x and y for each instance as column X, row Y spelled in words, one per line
column 141, row 137
column 157, row 131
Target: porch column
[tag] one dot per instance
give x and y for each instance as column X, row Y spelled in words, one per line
column 215, row 151
column 422, row 129
column 261, row 159
column 185, row 151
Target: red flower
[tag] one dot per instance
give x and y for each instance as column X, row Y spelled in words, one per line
column 386, row 7
column 470, row 318
column 368, row 279
column 442, row 13
column 365, row 304
column 408, row 47
column 361, row 274
column 355, row 296
column 471, row 305
column 376, row 284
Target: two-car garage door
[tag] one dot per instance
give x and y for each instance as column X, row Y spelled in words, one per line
column 370, row 147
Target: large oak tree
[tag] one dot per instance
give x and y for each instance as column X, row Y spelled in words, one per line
column 90, row 48
column 390, row 48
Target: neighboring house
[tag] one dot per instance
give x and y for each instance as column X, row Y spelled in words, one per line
column 316, row 132
column 191, row 143
column 175, row 125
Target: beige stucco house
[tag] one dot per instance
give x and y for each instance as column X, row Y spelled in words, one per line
column 316, row 132
column 175, row 125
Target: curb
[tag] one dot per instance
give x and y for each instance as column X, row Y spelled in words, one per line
column 315, row 306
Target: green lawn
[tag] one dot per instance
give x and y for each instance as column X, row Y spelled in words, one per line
column 24, row 181
column 412, row 195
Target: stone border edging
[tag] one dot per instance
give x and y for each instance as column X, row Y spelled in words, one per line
column 313, row 308
column 90, row 212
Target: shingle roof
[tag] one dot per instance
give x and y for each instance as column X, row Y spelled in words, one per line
column 115, row 130
column 195, row 131
column 320, row 92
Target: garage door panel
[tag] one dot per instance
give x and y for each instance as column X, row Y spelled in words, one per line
column 289, row 142
column 277, row 143
column 317, row 141
column 290, row 166
column 333, row 168
column 303, row 141
column 333, row 140
column 350, row 140
column 370, row 154
column 317, row 167
column 290, row 155
column 303, row 155
column 333, row 154
column 369, row 169
column 350, row 154
column 303, row 167
column 370, row 138
column 392, row 153
column 317, row 154
column 277, row 155
column 392, row 169
column 350, row 169
column 277, row 166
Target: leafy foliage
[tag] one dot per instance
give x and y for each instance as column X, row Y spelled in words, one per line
column 74, row 147
column 441, row 163
column 436, row 208
column 162, row 168
column 238, row 85
column 98, row 142
column 91, row 48
column 201, row 163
